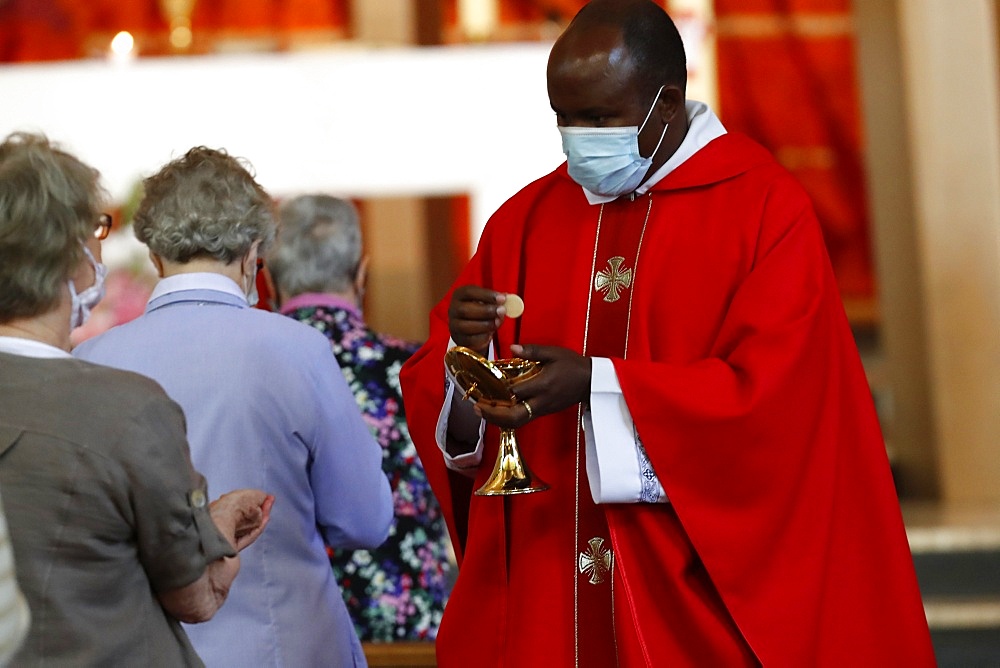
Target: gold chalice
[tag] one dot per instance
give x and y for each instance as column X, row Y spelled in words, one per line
column 490, row 381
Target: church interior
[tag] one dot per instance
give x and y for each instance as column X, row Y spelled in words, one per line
column 429, row 113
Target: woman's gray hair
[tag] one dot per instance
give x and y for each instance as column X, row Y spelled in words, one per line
column 205, row 204
column 318, row 248
column 50, row 202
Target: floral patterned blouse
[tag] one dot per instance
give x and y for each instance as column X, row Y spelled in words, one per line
column 398, row 591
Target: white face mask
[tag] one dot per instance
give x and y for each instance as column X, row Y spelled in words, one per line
column 606, row 161
column 86, row 301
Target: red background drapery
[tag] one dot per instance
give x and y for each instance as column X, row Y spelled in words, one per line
column 787, row 77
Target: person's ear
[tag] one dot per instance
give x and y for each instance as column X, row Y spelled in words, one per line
column 250, row 260
column 361, row 279
column 157, row 263
column 670, row 103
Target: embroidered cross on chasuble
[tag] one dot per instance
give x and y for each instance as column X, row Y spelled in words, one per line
column 616, row 268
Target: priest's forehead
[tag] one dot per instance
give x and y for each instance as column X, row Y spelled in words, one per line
column 592, row 75
column 633, row 40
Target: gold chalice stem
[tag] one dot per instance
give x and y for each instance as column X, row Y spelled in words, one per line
column 510, row 474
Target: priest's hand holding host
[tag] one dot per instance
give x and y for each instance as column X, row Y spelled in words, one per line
column 474, row 315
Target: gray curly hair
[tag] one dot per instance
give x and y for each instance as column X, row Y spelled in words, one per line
column 204, row 204
column 49, row 204
column 318, row 248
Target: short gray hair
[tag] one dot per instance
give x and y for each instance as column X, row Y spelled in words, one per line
column 204, row 204
column 318, row 248
column 50, row 202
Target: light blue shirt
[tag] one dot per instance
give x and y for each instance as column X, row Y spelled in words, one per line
column 266, row 408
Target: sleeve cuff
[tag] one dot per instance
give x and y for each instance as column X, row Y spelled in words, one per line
column 613, row 456
column 469, row 461
column 214, row 545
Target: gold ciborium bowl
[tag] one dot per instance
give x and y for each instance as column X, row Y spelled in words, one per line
column 490, row 381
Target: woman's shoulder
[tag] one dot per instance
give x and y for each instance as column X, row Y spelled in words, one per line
column 113, row 383
column 281, row 337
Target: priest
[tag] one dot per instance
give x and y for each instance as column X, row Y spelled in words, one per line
column 719, row 491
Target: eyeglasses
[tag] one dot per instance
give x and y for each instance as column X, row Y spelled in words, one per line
column 103, row 227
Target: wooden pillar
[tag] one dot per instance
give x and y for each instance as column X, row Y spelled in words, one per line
column 949, row 59
column 906, row 411
column 383, row 23
column 399, row 298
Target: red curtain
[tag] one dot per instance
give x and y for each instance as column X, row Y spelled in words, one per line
column 39, row 30
column 271, row 15
column 514, row 12
column 787, row 78
column 523, row 13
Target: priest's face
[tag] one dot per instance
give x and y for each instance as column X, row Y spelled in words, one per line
column 592, row 82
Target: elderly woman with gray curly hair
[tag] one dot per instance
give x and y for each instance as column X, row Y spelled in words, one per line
column 114, row 541
column 266, row 406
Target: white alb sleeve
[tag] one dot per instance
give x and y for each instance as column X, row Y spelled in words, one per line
column 617, row 466
column 470, row 460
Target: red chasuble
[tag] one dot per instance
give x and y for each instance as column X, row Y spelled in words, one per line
column 782, row 543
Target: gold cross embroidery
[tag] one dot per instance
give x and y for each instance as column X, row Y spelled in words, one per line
column 613, row 280
column 595, row 561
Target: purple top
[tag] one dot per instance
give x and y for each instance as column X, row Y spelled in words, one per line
column 398, row 590
column 266, row 408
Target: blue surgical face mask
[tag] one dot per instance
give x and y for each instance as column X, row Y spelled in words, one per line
column 84, row 302
column 606, row 161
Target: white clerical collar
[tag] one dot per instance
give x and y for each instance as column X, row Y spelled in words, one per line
column 196, row 281
column 703, row 127
column 30, row 348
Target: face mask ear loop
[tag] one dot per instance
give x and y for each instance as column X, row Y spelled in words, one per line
column 100, row 269
column 93, row 263
column 650, row 113
column 90, row 256
column 662, row 135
